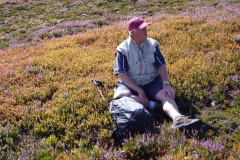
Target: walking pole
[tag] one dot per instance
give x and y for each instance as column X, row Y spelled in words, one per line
column 98, row 84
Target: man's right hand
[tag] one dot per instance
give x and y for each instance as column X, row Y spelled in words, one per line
column 130, row 83
column 143, row 99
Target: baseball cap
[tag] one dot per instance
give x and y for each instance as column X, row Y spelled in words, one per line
column 136, row 23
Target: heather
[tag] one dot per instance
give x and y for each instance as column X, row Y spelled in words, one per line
column 49, row 108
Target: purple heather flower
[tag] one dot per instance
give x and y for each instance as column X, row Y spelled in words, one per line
column 10, row 72
column 210, row 145
column 39, row 103
column 71, row 24
column 235, row 77
column 107, row 156
column 141, row 1
column 40, row 75
column 6, row 91
column 66, row 94
column 30, row 68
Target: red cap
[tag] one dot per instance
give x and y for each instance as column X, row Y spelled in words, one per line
column 136, row 23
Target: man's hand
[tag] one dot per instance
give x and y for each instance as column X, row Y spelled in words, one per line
column 143, row 99
column 131, row 84
column 168, row 91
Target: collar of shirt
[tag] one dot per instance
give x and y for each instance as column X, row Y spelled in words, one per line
column 141, row 45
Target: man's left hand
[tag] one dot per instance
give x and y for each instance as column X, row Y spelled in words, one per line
column 168, row 91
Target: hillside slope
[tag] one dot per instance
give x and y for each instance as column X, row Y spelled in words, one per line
column 49, row 108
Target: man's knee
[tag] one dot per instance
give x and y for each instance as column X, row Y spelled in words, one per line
column 160, row 96
column 122, row 93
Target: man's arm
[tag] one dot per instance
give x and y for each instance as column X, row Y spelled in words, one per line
column 161, row 65
column 163, row 73
column 167, row 89
column 121, row 68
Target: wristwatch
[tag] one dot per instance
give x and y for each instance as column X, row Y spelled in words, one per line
column 166, row 82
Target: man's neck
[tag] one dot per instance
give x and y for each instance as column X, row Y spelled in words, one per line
column 137, row 42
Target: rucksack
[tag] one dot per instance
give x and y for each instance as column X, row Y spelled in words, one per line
column 129, row 116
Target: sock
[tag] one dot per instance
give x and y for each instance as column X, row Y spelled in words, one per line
column 152, row 104
column 177, row 116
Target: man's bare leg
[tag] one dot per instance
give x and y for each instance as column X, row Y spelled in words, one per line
column 126, row 93
column 169, row 105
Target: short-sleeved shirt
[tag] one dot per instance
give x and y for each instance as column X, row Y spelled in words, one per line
column 121, row 63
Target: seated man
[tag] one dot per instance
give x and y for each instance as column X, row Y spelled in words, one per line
column 143, row 75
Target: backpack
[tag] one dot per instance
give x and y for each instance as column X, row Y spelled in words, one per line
column 129, row 117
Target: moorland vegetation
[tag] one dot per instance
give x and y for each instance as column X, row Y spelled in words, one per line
column 49, row 108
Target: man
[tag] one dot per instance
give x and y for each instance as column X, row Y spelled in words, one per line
column 143, row 75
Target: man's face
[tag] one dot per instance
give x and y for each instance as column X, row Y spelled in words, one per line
column 140, row 35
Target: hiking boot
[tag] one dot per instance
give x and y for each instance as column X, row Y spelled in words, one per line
column 183, row 121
